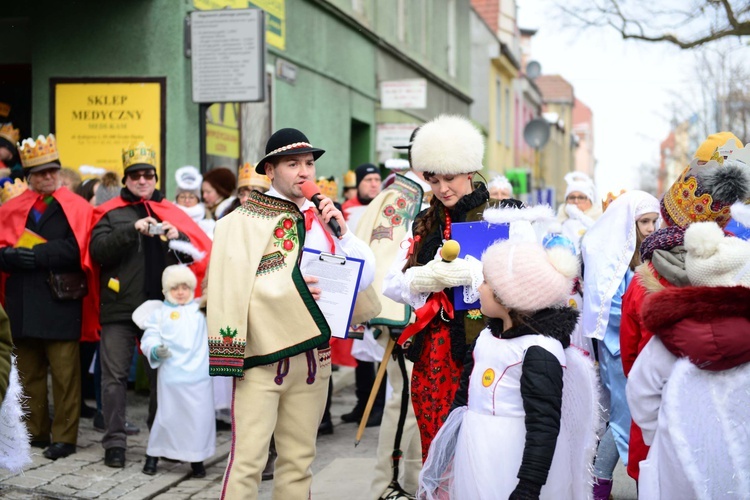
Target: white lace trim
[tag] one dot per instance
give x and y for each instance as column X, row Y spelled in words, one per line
column 471, row 291
column 416, row 300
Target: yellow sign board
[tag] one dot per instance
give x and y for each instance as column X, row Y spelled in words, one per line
column 95, row 121
column 223, row 130
column 275, row 15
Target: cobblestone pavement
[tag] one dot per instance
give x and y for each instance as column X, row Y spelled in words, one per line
column 84, row 475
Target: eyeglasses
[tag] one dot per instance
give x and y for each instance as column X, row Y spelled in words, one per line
column 146, row 174
column 574, row 198
column 185, row 196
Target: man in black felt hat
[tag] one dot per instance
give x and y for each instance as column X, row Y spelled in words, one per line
column 264, row 325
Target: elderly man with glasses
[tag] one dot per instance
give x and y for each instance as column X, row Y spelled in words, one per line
column 46, row 283
column 133, row 241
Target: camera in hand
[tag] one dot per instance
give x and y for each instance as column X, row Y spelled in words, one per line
column 155, row 229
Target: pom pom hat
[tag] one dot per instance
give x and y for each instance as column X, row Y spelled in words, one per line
column 448, row 145
column 714, row 259
column 526, row 277
column 189, row 180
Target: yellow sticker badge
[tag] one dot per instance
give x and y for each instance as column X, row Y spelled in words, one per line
column 174, row 315
column 488, row 377
column 572, row 303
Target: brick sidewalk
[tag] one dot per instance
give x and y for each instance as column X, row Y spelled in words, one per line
column 84, row 475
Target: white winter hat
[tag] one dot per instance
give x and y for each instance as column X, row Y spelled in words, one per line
column 578, row 181
column 189, row 180
column 448, row 145
column 527, row 277
column 714, row 259
column 177, row 275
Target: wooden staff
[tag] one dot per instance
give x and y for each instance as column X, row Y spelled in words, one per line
column 375, row 388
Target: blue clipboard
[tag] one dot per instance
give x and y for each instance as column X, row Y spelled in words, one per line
column 474, row 238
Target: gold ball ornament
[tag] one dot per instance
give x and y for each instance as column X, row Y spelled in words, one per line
column 450, row 250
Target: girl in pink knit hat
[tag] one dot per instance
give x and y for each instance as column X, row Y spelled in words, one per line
column 523, row 422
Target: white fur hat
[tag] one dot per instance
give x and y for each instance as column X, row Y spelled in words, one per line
column 714, row 259
column 527, row 277
column 177, row 275
column 189, row 179
column 578, row 181
column 448, row 145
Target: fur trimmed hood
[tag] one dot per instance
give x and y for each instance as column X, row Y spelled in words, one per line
column 555, row 322
column 709, row 325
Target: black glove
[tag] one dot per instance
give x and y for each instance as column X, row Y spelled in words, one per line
column 526, row 490
column 20, row 258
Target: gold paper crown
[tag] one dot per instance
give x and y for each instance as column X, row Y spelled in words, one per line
column 248, row 177
column 610, row 198
column 34, row 153
column 138, row 154
column 350, row 179
column 12, row 189
column 328, row 187
column 684, row 206
column 5, row 111
column 10, row 134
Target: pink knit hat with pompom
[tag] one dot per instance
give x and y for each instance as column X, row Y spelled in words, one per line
column 527, row 277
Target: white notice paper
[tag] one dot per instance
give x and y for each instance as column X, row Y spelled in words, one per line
column 338, row 279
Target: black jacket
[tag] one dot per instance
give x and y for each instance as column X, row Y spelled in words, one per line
column 541, row 387
column 33, row 311
column 136, row 261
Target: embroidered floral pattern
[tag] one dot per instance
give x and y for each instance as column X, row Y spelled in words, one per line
column 285, row 235
column 474, row 314
column 268, row 207
column 227, row 334
column 397, row 212
column 685, row 207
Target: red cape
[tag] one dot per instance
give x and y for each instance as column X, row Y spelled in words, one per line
column 168, row 211
column 79, row 213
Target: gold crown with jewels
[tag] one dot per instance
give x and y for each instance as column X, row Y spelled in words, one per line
column 10, row 134
column 610, row 198
column 34, row 153
column 248, row 177
column 12, row 189
column 328, row 187
column 137, row 155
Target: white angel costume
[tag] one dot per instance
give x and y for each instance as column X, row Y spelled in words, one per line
column 184, row 428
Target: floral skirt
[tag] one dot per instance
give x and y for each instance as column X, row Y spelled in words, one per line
column 435, row 380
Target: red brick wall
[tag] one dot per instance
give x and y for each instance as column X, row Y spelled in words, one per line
column 489, row 10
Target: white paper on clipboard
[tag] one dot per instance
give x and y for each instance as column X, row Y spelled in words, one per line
column 338, row 278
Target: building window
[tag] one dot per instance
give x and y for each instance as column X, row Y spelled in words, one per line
column 507, row 117
column 498, row 110
column 452, row 40
column 401, row 20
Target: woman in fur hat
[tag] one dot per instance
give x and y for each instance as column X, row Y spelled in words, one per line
column 449, row 151
column 610, row 255
column 688, row 390
column 704, row 192
column 525, row 417
column 175, row 341
column 581, row 208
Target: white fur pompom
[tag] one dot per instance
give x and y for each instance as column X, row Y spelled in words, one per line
column 702, row 239
column 187, row 248
column 741, row 213
column 448, row 145
column 564, row 262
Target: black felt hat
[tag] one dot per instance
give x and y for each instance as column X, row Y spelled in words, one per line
column 287, row 141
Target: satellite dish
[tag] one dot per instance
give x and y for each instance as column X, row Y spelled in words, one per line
column 536, row 133
column 533, row 69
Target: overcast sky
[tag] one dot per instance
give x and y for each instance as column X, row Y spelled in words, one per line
column 627, row 85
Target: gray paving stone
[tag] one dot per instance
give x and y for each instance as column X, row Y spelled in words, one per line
column 44, row 473
column 26, row 481
column 59, row 489
column 101, row 486
column 74, row 482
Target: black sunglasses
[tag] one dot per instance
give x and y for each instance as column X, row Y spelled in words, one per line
column 146, row 174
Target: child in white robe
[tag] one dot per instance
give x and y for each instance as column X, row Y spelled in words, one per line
column 175, row 342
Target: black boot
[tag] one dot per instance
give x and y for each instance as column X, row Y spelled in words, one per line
column 199, row 471
column 270, row 464
column 150, row 465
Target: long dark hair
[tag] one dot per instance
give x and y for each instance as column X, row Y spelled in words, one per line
column 422, row 227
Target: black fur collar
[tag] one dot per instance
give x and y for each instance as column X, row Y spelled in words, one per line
column 469, row 202
column 555, row 322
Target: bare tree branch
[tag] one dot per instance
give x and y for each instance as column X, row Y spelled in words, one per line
column 701, row 23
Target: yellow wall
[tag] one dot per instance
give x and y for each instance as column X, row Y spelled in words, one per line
column 499, row 153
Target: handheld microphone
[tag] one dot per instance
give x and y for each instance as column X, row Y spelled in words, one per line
column 311, row 192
